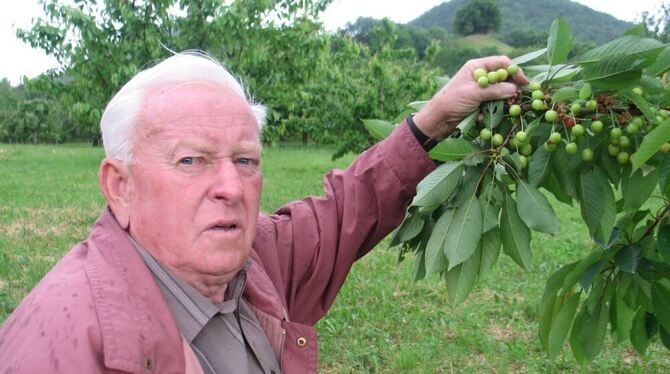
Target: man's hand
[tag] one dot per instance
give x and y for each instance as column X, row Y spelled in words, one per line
column 462, row 95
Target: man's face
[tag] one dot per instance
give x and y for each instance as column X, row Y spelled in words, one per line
column 195, row 183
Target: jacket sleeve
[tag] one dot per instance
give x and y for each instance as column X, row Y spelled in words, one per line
column 316, row 241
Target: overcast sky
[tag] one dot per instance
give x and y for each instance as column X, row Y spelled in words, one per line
column 21, row 60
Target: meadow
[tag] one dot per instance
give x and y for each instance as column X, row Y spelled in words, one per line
column 381, row 322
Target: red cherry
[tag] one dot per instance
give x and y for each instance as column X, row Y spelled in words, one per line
column 569, row 122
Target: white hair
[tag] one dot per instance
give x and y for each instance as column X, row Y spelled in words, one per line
column 120, row 116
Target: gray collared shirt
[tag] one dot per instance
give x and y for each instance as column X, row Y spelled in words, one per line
column 226, row 337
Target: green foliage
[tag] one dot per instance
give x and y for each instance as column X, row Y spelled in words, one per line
column 624, row 282
column 317, row 86
column 477, row 17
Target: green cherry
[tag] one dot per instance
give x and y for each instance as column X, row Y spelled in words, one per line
column 587, row 154
column 592, row 105
column 597, row 126
column 497, row 140
column 502, row 75
column 571, row 148
column 577, row 130
column 513, row 69
column 479, row 73
column 521, row 136
column 485, row 134
column 515, row 110
column 551, row 116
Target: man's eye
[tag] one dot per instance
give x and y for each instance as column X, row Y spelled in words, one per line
column 187, row 161
column 244, row 161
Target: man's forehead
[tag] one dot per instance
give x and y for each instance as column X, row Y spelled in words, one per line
column 179, row 100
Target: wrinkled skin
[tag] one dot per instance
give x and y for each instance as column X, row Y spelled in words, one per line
column 191, row 196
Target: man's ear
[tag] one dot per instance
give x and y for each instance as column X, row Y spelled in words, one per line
column 114, row 179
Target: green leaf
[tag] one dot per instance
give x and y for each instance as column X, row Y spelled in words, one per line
column 603, row 233
column 651, row 143
column 438, row 186
column 559, row 42
column 547, row 305
column 468, row 122
column 493, row 113
column 575, row 338
column 408, row 230
column 665, row 337
column 489, row 214
column 586, row 280
column 663, row 243
column 378, row 129
column 564, row 94
column 565, row 175
column 638, row 332
column 435, row 260
column 595, row 193
column 451, row 149
column 419, row 271
column 461, row 278
column 555, row 73
column 585, row 91
column 664, row 174
column 641, row 104
column 628, row 258
column 535, row 210
column 490, row 244
column 660, row 298
column 538, row 166
column 464, row 234
column 580, row 267
column 614, row 72
column 645, row 48
column 560, row 326
column 624, row 317
column 637, row 188
column 593, row 330
column 515, row 234
column 529, row 56
column 661, row 65
column 611, row 167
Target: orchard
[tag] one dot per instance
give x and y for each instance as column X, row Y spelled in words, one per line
column 593, row 131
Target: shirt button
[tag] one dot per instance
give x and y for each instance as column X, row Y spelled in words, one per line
column 301, row 342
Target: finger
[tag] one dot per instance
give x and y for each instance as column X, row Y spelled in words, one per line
column 491, row 63
column 520, row 78
column 499, row 91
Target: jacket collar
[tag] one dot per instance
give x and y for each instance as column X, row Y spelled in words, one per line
column 136, row 323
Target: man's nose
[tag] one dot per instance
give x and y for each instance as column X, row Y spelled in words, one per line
column 227, row 183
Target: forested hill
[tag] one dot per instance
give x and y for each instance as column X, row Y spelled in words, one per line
column 586, row 24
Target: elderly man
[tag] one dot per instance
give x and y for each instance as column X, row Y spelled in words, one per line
column 181, row 273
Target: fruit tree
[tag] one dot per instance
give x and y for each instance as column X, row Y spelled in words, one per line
column 594, row 131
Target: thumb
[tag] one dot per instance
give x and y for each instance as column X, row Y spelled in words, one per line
column 499, row 91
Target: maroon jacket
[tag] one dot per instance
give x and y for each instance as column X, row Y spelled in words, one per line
column 99, row 309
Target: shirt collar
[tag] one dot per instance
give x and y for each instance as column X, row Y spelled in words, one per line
column 199, row 309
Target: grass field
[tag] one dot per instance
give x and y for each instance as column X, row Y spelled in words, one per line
column 381, row 322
